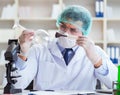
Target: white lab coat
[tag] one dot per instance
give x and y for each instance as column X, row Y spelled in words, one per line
column 47, row 67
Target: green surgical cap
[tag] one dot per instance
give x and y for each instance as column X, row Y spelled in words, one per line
column 78, row 16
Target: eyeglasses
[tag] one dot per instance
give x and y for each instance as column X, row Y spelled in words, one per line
column 65, row 27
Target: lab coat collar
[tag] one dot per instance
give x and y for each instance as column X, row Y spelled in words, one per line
column 79, row 54
column 54, row 49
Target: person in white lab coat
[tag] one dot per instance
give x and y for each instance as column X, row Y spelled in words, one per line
column 47, row 64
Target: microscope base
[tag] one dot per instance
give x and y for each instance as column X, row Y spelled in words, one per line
column 10, row 89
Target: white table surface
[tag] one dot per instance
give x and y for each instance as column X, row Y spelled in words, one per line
column 55, row 93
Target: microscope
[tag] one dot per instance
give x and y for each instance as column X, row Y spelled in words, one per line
column 11, row 56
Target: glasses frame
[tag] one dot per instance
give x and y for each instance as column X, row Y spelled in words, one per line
column 64, row 27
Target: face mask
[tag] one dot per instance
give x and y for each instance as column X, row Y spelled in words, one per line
column 66, row 42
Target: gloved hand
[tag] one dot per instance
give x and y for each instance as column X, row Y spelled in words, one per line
column 89, row 47
column 25, row 40
column 30, row 37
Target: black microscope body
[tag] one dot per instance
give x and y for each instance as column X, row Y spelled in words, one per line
column 11, row 56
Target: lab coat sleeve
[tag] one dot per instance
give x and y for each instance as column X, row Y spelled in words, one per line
column 107, row 72
column 27, row 69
